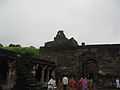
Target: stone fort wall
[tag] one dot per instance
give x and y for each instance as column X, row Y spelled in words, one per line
column 101, row 59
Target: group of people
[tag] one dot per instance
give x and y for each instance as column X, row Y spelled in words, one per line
column 82, row 84
column 71, row 84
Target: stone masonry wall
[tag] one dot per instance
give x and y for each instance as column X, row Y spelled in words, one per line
column 107, row 57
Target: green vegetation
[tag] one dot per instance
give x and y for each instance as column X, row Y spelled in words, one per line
column 24, row 51
column 1, row 45
column 13, row 45
column 24, row 80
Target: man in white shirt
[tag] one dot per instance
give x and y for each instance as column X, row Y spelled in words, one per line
column 117, row 83
column 51, row 84
column 65, row 82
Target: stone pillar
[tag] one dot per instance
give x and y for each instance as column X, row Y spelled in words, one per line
column 48, row 73
column 43, row 73
column 34, row 71
column 38, row 72
column 11, row 76
column 36, row 66
column 53, row 73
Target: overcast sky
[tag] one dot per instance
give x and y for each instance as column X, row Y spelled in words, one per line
column 34, row 22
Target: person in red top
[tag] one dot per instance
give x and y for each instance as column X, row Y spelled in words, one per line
column 72, row 84
column 80, row 83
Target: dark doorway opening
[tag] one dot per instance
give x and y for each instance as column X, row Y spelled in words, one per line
column 3, row 70
column 92, row 69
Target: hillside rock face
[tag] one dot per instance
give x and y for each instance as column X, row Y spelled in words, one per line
column 75, row 60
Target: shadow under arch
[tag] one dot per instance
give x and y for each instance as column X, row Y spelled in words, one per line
column 91, row 66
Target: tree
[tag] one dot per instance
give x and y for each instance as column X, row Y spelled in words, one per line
column 11, row 45
column 18, row 45
column 24, row 51
column 32, row 47
column 1, row 45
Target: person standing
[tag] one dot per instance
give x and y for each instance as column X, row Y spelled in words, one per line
column 117, row 83
column 72, row 84
column 65, row 82
column 85, row 84
column 59, row 85
column 80, row 83
column 51, row 84
column 90, row 84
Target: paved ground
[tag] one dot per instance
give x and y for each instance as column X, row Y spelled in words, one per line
column 60, row 87
column 108, row 89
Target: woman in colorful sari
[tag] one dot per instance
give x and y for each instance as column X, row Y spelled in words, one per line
column 85, row 84
column 90, row 84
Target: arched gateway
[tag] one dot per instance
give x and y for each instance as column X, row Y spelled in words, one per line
column 91, row 68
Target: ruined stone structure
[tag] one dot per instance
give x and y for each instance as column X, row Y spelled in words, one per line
column 42, row 69
column 60, row 41
column 7, row 69
column 74, row 59
column 33, row 73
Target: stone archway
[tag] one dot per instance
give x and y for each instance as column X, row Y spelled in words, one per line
column 91, row 68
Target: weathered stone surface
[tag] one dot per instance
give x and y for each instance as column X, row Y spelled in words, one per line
column 60, row 41
column 87, row 59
